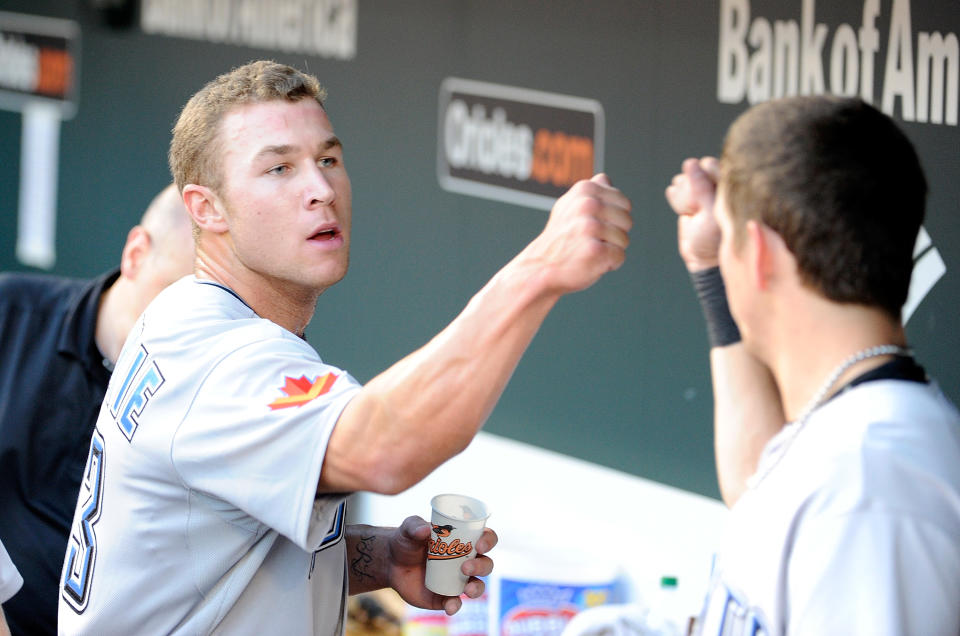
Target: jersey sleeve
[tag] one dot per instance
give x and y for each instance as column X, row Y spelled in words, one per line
column 10, row 579
column 256, row 434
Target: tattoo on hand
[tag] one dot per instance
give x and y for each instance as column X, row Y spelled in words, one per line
column 361, row 564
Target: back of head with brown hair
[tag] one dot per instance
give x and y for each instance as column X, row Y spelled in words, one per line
column 840, row 183
column 195, row 146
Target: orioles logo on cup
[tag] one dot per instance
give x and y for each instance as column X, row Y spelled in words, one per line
column 440, row 549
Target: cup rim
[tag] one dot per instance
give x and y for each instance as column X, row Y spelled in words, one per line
column 433, row 506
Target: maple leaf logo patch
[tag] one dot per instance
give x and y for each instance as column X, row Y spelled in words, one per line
column 301, row 390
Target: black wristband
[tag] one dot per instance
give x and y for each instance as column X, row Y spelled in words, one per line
column 721, row 329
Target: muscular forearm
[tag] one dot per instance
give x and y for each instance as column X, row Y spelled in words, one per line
column 427, row 407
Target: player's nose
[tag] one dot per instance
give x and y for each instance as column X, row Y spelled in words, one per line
column 318, row 191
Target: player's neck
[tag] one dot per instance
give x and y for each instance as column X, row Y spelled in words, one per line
column 291, row 310
column 815, row 341
column 289, row 306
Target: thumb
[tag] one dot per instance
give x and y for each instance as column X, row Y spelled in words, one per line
column 602, row 179
column 702, row 180
column 415, row 529
column 711, row 166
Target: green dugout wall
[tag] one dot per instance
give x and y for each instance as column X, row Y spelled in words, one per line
column 542, row 91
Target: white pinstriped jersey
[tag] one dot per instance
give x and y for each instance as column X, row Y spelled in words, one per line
column 856, row 530
column 198, row 513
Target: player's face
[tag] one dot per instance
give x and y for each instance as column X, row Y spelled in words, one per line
column 287, row 194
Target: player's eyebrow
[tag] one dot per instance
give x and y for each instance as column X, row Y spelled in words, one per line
column 332, row 142
column 285, row 149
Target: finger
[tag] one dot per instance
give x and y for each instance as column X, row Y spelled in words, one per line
column 599, row 187
column 613, row 235
column 487, row 541
column 611, row 214
column 604, row 257
column 711, row 165
column 693, row 170
column 479, row 566
column 677, row 194
column 474, row 588
column 415, row 529
column 702, row 184
column 690, row 163
column 706, row 168
column 602, row 179
column 615, row 256
column 615, row 224
column 452, row 605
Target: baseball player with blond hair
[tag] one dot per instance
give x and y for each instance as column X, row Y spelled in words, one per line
column 216, row 486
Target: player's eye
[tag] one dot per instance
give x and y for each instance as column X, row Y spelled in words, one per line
column 327, row 162
column 279, row 170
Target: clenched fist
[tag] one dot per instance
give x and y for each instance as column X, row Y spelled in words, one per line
column 585, row 237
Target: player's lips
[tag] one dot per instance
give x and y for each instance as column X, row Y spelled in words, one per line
column 328, row 235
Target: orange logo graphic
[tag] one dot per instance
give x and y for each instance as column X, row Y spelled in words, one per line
column 442, row 531
column 301, row 390
column 439, row 549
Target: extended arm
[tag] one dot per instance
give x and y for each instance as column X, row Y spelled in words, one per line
column 747, row 410
column 428, row 407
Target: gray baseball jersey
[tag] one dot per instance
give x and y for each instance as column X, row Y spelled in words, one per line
column 855, row 529
column 198, row 512
column 10, row 579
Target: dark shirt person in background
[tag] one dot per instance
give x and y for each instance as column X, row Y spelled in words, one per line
column 59, row 338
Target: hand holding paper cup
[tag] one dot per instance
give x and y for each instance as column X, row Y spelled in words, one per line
column 458, row 521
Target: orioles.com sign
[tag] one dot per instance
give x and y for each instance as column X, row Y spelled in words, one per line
column 514, row 144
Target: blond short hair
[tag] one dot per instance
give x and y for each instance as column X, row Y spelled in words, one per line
column 195, row 147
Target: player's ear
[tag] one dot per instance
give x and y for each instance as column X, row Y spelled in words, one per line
column 135, row 252
column 771, row 259
column 761, row 247
column 205, row 208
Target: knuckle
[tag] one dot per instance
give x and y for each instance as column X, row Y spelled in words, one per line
column 590, row 207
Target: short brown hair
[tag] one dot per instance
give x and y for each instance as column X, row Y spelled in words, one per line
column 195, row 144
column 840, row 183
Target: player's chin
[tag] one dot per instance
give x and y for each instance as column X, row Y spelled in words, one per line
column 325, row 277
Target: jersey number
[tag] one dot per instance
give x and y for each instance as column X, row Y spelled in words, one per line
column 140, row 383
column 82, row 548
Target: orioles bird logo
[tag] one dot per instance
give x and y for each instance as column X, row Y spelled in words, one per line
column 442, row 531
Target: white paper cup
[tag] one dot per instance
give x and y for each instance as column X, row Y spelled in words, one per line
column 458, row 522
